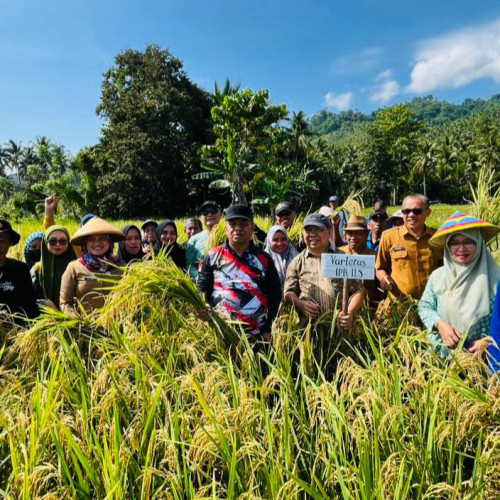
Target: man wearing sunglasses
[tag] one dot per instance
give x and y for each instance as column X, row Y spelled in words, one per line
column 196, row 247
column 405, row 259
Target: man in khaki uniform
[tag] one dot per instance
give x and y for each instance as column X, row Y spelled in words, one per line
column 405, row 259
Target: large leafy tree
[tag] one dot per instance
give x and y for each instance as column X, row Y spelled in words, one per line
column 155, row 121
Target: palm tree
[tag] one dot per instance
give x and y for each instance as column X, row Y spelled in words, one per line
column 299, row 136
column 423, row 159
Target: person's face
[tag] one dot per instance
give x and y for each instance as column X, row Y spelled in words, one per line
column 378, row 223
column 239, row 231
column 5, row 244
column 316, row 238
column 210, row 216
column 397, row 222
column 334, row 204
column 415, row 213
column 285, row 218
column 192, row 228
column 462, row 249
column 133, row 242
column 97, row 244
column 35, row 245
column 168, row 236
column 150, row 233
column 279, row 243
column 57, row 243
column 356, row 240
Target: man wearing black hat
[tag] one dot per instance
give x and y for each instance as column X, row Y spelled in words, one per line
column 285, row 214
column 17, row 294
column 196, row 248
column 377, row 224
column 239, row 280
column 305, row 288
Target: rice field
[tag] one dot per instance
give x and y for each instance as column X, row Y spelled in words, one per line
column 143, row 400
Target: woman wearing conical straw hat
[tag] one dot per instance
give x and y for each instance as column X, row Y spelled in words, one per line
column 459, row 297
column 83, row 281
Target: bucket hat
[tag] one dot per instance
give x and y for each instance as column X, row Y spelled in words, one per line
column 97, row 226
column 356, row 223
column 460, row 221
column 6, row 228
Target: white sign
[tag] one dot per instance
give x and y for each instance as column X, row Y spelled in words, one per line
column 343, row 266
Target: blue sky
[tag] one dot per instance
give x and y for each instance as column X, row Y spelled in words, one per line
column 358, row 54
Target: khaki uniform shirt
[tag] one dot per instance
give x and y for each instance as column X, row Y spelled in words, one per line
column 408, row 261
column 80, row 285
column 303, row 277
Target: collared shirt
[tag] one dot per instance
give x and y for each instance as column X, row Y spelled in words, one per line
column 372, row 246
column 408, row 260
column 246, row 288
column 303, row 277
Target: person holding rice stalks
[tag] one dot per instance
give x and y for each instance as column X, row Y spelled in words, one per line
column 83, row 283
column 239, row 280
column 457, row 303
column 305, row 288
column 47, row 275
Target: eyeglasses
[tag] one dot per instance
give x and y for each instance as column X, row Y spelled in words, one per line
column 284, row 213
column 54, row 242
column 97, row 239
column 378, row 218
column 210, row 211
column 416, row 211
column 455, row 245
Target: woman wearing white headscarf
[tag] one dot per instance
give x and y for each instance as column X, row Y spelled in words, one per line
column 281, row 250
column 459, row 297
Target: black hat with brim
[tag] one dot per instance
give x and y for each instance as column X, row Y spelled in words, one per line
column 6, row 228
column 284, row 206
column 209, row 203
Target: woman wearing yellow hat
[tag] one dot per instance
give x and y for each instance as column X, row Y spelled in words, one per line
column 82, row 282
column 459, row 296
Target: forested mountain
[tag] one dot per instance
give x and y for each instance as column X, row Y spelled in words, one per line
column 338, row 126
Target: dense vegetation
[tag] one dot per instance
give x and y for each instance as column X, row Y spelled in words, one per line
column 166, row 144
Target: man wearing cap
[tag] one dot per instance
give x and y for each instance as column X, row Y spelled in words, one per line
column 357, row 236
column 285, row 214
column 148, row 235
column 305, row 288
column 405, row 259
column 342, row 214
column 17, row 294
column 196, row 248
column 377, row 224
column 239, row 280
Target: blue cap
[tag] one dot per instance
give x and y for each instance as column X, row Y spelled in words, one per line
column 335, row 198
column 86, row 218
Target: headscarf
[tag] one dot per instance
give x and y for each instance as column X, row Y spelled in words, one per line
column 467, row 290
column 281, row 260
column 30, row 258
column 122, row 251
column 174, row 251
column 100, row 264
column 53, row 266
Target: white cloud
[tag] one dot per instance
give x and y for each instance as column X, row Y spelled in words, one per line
column 358, row 62
column 457, row 58
column 342, row 102
column 385, row 89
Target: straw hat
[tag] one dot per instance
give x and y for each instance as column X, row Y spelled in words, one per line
column 97, row 226
column 356, row 223
column 460, row 221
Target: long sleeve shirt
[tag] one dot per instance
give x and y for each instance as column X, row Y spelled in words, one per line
column 494, row 349
column 245, row 288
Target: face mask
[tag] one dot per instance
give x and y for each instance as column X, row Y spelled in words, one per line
column 34, row 255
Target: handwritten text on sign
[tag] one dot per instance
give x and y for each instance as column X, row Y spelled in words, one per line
column 340, row 266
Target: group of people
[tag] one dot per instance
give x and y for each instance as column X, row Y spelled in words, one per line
column 450, row 272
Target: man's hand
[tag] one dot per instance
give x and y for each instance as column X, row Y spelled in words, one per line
column 386, row 282
column 204, row 314
column 450, row 335
column 50, row 205
column 345, row 320
column 310, row 309
column 335, row 219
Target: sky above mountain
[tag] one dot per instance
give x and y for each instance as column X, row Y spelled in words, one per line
column 339, row 55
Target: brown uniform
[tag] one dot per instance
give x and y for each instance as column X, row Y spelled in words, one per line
column 375, row 295
column 79, row 284
column 408, row 261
